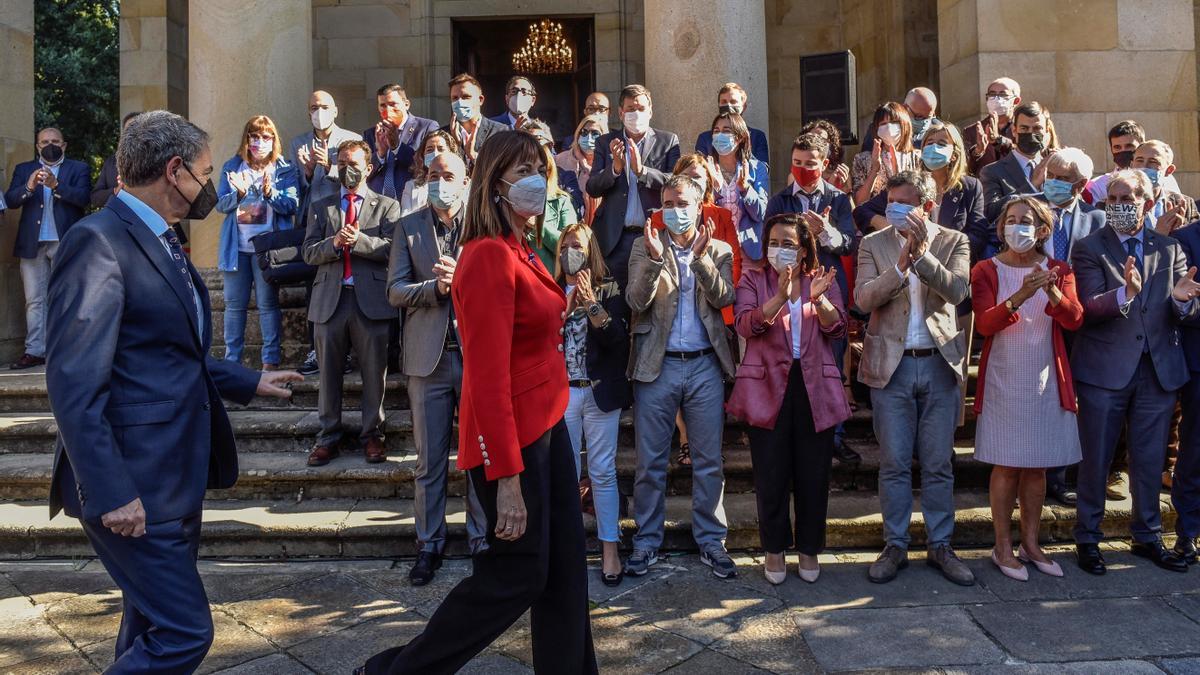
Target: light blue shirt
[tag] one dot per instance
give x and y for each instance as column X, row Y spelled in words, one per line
column 158, row 225
column 49, row 231
column 634, row 214
column 687, row 332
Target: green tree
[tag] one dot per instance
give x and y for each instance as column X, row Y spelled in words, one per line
column 77, row 73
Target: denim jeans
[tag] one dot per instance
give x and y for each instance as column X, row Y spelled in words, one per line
column 586, row 422
column 35, row 277
column 237, row 297
column 917, row 412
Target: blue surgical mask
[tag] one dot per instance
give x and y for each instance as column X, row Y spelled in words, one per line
column 463, row 110
column 1152, row 174
column 919, row 127
column 587, row 141
column 444, row 194
column 429, row 157
column 1058, row 192
column 724, row 143
column 936, row 156
column 897, row 215
column 677, row 220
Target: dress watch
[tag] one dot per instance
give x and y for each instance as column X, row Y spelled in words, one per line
column 594, row 309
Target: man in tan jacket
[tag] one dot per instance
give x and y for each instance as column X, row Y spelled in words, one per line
column 679, row 279
column 911, row 275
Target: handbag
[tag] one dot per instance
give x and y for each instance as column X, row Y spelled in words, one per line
column 280, row 255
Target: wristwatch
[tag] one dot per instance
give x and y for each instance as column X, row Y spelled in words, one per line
column 1012, row 309
column 594, row 309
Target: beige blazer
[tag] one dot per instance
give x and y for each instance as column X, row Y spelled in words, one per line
column 653, row 294
column 945, row 273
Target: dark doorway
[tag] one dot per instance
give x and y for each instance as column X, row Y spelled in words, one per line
column 484, row 48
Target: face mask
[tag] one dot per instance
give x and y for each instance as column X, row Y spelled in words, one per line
column 587, row 141
column 444, row 195
column 527, row 197
column 1057, row 191
column 637, row 121
column 936, row 156
column 780, row 257
column 261, row 148
column 1020, row 238
column 677, row 220
column 463, row 110
column 888, row 133
column 204, row 202
column 429, row 156
column 724, row 143
column 919, row 127
column 1031, row 142
column 51, row 153
column 1152, row 174
column 322, row 118
column 805, row 175
column 1123, row 218
column 1001, row 107
column 897, row 215
column 730, row 108
column 351, row 176
column 1123, row 159
column 572, row 261
column 520, row 104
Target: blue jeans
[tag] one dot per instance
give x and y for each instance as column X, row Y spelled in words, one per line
column 917, row 412
column 237, row 297
column 587, row 422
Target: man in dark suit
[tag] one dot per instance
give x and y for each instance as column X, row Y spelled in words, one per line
column 1185, row 489
column 108, row 183
column 394, row 141
column 1020, row 171
column 1128, row 364
column 630, row 167
column 991, row 138
column 467, row 123
column 349, row 238
column 519, row 99
column 733, row 98
column 419, row 275
column 137, row 397
column 52, row 192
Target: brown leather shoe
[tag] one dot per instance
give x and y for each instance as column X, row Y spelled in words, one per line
column 27, row 361
column 322, row 455
column 375, row 451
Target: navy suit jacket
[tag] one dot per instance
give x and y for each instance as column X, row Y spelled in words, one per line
column 659, row 154
column 73, row 194
column 759, row 147
column 411, row 135
column 961, row 209
column 134, row 391
column 1002, row 179
column 1189, row 240
column 487, row 128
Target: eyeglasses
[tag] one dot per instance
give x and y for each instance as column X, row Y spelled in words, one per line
column 1002, row 97
column 521, row 90
column 590, row 134
column 592, row 109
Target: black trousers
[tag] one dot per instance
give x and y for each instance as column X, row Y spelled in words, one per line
column 618, row 259
column 544, row 571
column 792, row 461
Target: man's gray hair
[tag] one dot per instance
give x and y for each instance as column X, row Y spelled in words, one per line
column 681, row 183
column 151, row 140
column 1137, row 181
column 1072, row 160
column 921, row 181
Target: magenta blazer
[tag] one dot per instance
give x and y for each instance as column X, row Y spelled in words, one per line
column 763, row 374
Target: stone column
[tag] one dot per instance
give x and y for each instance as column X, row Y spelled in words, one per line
column 245, row 58
column 154, row 51
column 16, row 146
column 1092, row 63
column 695, row 46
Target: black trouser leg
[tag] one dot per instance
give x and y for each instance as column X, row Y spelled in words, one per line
column 813, row 453
column 772, row 461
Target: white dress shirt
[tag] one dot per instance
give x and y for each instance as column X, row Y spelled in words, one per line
column 918, row 335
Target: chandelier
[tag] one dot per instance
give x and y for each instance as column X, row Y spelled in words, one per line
column 545, row 50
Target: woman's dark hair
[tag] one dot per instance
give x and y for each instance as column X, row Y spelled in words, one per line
column 808, row 245
column 832, row 134
column 484, row 217
column 740, row 131
column 895, row 112
column 420, row 171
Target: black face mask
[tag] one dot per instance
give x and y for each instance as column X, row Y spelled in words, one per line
column 350, row 176
column 735, row 109
column 204, row 202
column 1123, row 159
column 1031, row 142
column 52, row 153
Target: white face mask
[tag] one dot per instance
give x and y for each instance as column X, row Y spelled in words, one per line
column 520, row 104
column 780, row 257
column 261, row 148
column 888, row 133
column 322, row 118
column 527, row 197
column 1020, row 237
column 637, row 121
column 1001, row 107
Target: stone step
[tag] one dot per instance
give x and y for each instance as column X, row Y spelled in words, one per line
column 358, row 528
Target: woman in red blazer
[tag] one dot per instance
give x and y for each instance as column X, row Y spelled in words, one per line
column 1025, row 403
column 512, row 440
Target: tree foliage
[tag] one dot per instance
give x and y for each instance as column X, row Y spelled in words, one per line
column 77, row 73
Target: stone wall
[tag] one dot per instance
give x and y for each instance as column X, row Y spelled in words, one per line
column 154, row 52
column 16, row 146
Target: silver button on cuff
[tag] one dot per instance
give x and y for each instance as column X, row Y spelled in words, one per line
column 560, row 348
column 487, row 462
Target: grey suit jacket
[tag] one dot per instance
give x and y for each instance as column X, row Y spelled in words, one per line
column 487, row 129
column 318, row 187
column 653, row 295
column 1106, row 350
column 659, row 155
column 377, row 221
column 412, row 287
column 945, row 274
column 1002, row 179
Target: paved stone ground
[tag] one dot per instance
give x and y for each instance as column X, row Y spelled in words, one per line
column 326, row 617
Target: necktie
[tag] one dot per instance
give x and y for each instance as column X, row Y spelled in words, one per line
column 1131, row 245
column 351, row 219
column 1062, row 238
column 389, row 177
column 181, row 264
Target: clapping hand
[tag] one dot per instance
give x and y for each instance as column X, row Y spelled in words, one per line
column 444, row 270
column 275, row 383
column 267, row 188
column 918, row 232
column 1171, row 219
column 306, row 159
column 822, row 279
column 815, row 222
column 703, row 236
column 744, row 176
column 1133, row 279
column 784, row 291
column 635, row 160
column 654, row 245
column 1187, row 288
column 841, row 177
column 346, row 236
column 617, row 148
column 238, row 181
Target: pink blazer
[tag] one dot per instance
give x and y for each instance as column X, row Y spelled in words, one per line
column 763, row 374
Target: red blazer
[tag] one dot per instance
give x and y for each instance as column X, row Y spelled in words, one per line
column 991, row 317
column 510, row 317
column 725, row 231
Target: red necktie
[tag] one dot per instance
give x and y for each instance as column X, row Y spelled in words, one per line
column 351, row 219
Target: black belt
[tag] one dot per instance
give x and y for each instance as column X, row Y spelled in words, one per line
column 641, row 229
column 579, row 383
column 920, row 353
column 690, row 355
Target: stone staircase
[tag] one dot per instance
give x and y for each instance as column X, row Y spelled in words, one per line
column 281, row 508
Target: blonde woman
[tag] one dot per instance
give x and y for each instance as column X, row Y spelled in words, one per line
column 575, row 165
column 560, row 211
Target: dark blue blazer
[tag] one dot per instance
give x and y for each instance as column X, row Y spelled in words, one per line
column 759, row 147
column 134, row 391
column 1189, row 240
column 961, row 209
column 569, row 182
column 659, row 155
column 411, row 135
column 608, row 350
column 840, row 215
column 73, row 194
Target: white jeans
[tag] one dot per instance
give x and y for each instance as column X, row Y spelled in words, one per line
column 35, row 277
column 585, row 421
